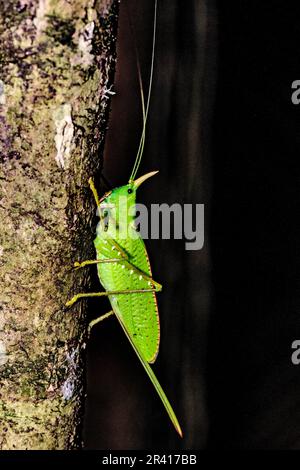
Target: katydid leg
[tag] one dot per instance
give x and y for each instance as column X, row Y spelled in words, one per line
column 105, row 294
column 78, row 265
column 158, row 287
column 98, row 320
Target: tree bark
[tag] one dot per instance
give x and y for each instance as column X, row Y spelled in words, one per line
column 57, row 64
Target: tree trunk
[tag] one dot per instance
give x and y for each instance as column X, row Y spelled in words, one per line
column 57, row 63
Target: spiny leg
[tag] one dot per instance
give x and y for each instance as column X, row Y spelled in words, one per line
column 78, row 265
column 98, row 320
column 158, row 287
column 125, row 260
column 106, row 293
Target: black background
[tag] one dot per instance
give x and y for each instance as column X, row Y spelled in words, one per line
column 222, row 131
column 252, row 382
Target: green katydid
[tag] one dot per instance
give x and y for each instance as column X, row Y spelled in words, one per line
column 123, row 264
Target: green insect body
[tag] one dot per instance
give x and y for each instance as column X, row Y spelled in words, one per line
column 124, row 268
column 138, row 312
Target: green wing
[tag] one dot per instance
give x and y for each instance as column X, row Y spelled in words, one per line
column 139, row 311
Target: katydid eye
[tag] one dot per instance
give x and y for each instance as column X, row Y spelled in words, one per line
column 129, row 190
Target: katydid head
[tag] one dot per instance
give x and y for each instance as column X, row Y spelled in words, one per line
column 117, row 207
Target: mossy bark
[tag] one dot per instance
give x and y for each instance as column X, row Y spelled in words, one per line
column 57, row 63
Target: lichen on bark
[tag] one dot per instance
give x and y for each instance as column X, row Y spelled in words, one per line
column 57, row 63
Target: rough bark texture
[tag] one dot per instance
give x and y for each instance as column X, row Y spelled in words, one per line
column 57, row 62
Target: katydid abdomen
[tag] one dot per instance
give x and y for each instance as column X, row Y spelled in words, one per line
column 138, row 313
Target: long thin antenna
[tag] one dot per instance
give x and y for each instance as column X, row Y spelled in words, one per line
column 145, row 110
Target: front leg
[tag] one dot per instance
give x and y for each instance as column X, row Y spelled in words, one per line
column 125, row 261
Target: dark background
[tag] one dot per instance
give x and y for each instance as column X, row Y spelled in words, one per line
column 222, row 131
